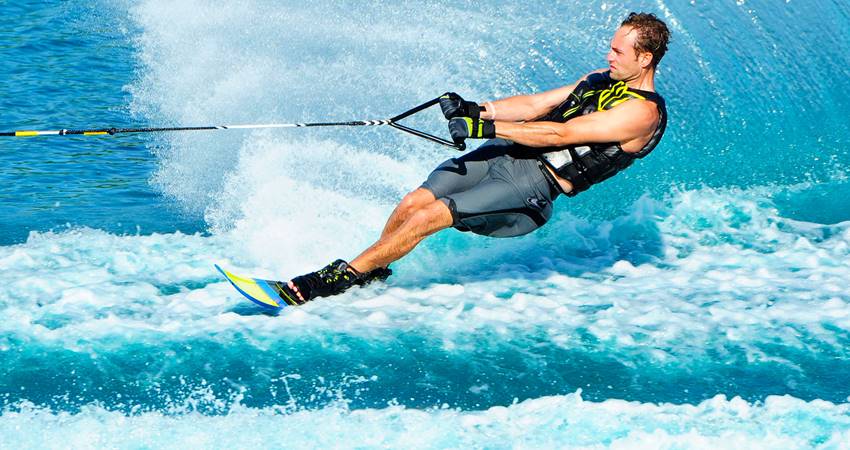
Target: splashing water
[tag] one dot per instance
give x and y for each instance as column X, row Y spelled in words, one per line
column 698, row 300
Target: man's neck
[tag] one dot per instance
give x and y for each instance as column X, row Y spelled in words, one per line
column 645, row 81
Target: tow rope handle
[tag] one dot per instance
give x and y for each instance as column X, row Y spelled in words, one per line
column 460, row 146
column 393, row 122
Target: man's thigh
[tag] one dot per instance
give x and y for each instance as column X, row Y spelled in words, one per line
column 455, row 175
column 500, row 206
column 467, row 171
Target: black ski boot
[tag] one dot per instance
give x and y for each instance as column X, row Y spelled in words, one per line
column 379, row 274
column 335, row 278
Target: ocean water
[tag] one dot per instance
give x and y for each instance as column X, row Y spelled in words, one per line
column 698, row 300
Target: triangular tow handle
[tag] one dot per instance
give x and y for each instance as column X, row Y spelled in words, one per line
column 391, row 122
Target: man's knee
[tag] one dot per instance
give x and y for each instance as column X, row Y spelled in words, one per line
column 432, row 215
column 416, row 200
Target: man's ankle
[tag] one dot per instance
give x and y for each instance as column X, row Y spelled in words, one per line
column 354, row 271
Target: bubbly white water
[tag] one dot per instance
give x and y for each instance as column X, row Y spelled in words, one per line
column 550, row 422
column 723, row 263
column 698, row 316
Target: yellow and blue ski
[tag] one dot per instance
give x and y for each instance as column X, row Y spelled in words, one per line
column 266, row 293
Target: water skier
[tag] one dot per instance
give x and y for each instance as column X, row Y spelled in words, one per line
column 540, row 146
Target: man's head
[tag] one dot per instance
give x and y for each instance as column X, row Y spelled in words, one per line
column 637, row 46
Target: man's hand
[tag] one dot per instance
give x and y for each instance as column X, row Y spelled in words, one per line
column 466, row 127
column 454, row 106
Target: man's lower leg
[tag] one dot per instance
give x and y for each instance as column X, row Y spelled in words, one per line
column 339, row 275
column 424, row 222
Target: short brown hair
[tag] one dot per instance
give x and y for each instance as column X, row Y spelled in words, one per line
column 653, row 34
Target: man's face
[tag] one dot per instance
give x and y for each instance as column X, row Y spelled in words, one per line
column 623, row 60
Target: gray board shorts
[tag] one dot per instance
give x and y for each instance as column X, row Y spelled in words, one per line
column 498, row 190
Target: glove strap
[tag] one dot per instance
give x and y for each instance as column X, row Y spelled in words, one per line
column 474, row 109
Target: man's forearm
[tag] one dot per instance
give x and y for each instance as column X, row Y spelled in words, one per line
column 512, row 109
column 534, row 134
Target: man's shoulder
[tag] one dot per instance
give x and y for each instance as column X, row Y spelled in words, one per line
column 595, row 76
column 590, row 75
column 641, row 113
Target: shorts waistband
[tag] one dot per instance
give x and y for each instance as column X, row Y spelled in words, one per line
column 553, row 183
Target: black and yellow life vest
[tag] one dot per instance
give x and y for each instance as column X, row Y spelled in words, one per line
column 584, row 165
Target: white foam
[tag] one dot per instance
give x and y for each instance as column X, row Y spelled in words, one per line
column 731, row 282
column 672, row 281
column 548, row 422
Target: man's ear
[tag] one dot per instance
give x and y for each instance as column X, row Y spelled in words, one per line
column 645, row 59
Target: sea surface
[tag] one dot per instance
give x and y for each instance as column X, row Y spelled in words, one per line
column 698, row 300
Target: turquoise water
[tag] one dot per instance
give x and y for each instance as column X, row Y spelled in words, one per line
column 696, row 301
column 70, row 65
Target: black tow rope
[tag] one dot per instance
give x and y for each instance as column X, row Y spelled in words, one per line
column 393, row 122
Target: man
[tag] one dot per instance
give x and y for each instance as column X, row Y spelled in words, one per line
column 542, row 145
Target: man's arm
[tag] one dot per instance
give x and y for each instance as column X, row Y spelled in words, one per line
column 633, row 120
column 528, row 107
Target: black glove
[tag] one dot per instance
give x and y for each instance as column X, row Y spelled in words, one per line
column 454, row 106
column 466, row 127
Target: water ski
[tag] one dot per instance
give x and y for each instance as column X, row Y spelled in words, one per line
column 265, row 293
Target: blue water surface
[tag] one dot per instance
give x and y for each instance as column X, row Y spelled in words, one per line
column 68, row 65
column 696, row 300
